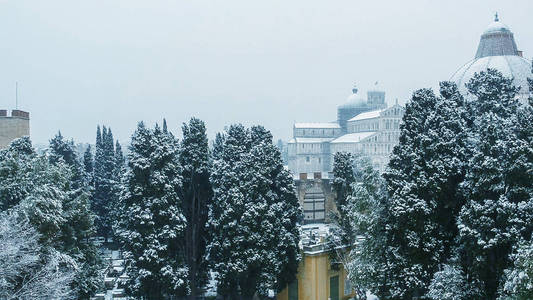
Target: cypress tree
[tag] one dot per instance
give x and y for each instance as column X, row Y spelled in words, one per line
column 423, row 179
column 344, row 177
column 196, row 195
column 104, row 181
column 497, row 216
column 151, row 223
column 253, row 217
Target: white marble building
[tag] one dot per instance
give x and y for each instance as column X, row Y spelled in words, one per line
column 364, row 126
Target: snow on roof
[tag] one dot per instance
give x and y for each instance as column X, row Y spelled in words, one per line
column 309, row 140
column 367, row 115
column 353, row 137
column 317, row 125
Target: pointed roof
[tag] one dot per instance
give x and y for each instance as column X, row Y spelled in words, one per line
column 496, row 40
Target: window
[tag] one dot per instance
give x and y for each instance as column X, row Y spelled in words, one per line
column 307, row 159
column 319, row 160
column 334, row 288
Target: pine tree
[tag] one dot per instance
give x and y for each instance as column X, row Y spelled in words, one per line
column 499, row 210
column 196, row 195
column 151, row 223
column 254, row 215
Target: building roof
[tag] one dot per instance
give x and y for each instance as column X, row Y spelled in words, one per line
column 301, row 140
column 496, row 40
column 497, row 50
column 353, row 137
column 317, row 125
column 367, row 115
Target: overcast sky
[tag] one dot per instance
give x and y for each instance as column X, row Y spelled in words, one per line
column 270, row 62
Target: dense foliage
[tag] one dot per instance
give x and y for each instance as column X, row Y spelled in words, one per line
column 254, row 215
column 456, row 219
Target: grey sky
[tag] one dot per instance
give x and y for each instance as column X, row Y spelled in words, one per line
column 82, row 63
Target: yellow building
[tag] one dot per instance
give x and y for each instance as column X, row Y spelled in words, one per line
column 317, row 278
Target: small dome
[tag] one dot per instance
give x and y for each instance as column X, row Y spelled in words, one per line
column 354, row 100
column 496, row 26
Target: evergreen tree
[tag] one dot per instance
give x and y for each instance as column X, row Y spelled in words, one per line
column 151, row 224
column 105, row 183
column 366, row 209
column 62, row 150
column 254, row 216
column 423, row 179
column 218, row 146
column 48, row 194
column 499, row 210
column 518, row 279
column 88, row 163
column 344, row 177
column 120, row 162
column 196, row 195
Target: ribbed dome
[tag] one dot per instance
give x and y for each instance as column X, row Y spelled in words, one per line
column 497, row 50
column 513, row 66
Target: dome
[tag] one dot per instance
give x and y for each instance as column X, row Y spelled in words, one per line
column 497, row 50
column 354, row 100
column 496, row 26
column 512, row 66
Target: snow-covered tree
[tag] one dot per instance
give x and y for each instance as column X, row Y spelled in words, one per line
column 254, row 215
column 108, row 163
column 196, row 195
column 498, row 186
column 151, row 222
column 47, row 192
column 344, row 177
column 22, row 273
column 518, row 279
column 366, row 209
column 88, row 165
column 423, row 179
column 448, row 284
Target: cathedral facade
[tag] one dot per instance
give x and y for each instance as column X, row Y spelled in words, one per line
column 364, row 126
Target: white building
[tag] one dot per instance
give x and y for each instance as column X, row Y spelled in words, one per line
column 364, row 126
column 373, row 133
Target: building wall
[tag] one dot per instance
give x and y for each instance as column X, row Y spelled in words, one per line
column 302, row 186
column 12, row 127
column 314, row 273
column 317, row 132
column 308, row 157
